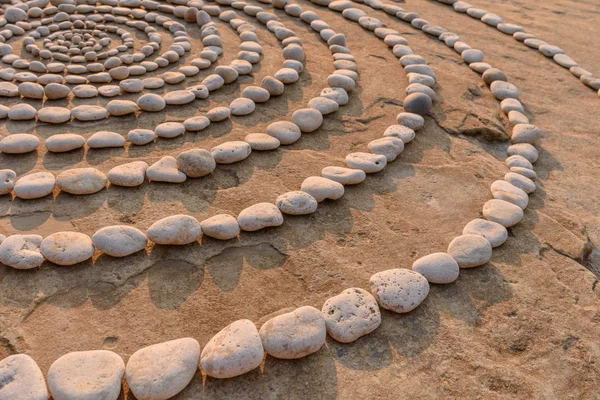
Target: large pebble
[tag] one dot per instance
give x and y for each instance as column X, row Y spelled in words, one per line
column 160, row 371
column 262, row 141
column 231, row 152
column 105, row 139
column 21, row 379
column 54, row 115
column 259, row 216
column 81, row 181
column 502, row 212
column 437, row 268
column 390, row 147
column 503, row 190
column 222, row 226
column 129, row 175
column 175, row 230
column 233, row 351
column 21, row 252
column 418, row 103
column 165, row 170
column 525, row 133
column 504, row 90
column 370, row 163
column 345, row 176
column 295, row 334
column 169, row 129
column 7, row 181
column 67, row 248
column 196, row 163
column 284, row 131
column 296, row 203
column 351, row 314
column 307, row 119
column 19, row 143
column 322, row 188
column 470, row 250
column 86, row 375
column 89, row 113
column 399, row 290
column 64, row 142
column 495, row 233
column 119, row 240
column 35, row 186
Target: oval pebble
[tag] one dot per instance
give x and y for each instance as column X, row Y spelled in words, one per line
column 495, row 233
column 345, row 176
column 81, row 181
column 259, row 216
column 399, row 290
column 370, row 163
column 35, row 186
column 296, row 203
column 222, row 227
column 322, row 188
column 67, row 248
column 502, row 212
column 21, row 252
column 470, row 250
column 351, row 314
column 438, row 268
column 231, row 152
column 119, row 240
column 175, row 230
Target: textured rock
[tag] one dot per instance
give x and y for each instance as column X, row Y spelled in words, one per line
column 119, row 240
column 296, row 203
column 222, row 226
column 129, row 174
column 437, row 268
column 160, row 371
column 370, row 163
column 21, row 252
column 294, row 335
column 495, row 233
column 259, row 216
column 470, row 250
column 196, row 163
column 233, row 351
column 175, row 230
column 21, row 379
column 34, row 186
column 231, row 152
column 165, row 170
column 390, row 147
column 351, row 314
column 399, row 290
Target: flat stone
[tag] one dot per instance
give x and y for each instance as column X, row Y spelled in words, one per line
column 502, row 212
column 336, row 94
column 21, row 252
column 22, row 112
column 287, row 75
column 322, row 188
column 399, row 290
column 121, row 107
column 110, row 91
column 508, row 105
column 175, row 230
column 324, row 105
column 231, row 152
column 564, row 61
column 141, row 137
column 284, row 131
column 504, row 90
column 196, row 124
column 221, row 226
column 550, row 50
column 169, row 129
column 104, row 139
column 165, row 170
column 89, row 113
column 411, row 121
column 151, row 102
column 404, row 133
column 470, row 250
column 218, row 114
column 56, row 91
column 179, row 97
column 35, row 186
column 172, row 77
column 153, row 83
column 307, row 119
column 256, row 94
column 22, row 379
column 370, row 163
column 495, row 233
column 160, row 371
column 262, row 141
column 294, row 335
column 472, row 55
column 351, row 314
column 389, row 146
column 233, row 351
column 129, row 175
column 242, row 106
column 119, row 240
column 503, row 190
column 520, row 181
column 493, row 74
column 200, row 91
column 525, row 150
column 518, row 161
column 85, row 91
column 196, row 163
column 438, row 268
column 417, row 103
column 68, row 248
column 8, row 89
column 81, row 181
column 86, row 375
column 296, row 203
column 273, row 86
column 54, row 115
column 132, row 85
column 7, row 181
column 259, row 216
column 345, row 176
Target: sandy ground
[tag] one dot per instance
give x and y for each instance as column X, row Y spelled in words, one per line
column 524, row 326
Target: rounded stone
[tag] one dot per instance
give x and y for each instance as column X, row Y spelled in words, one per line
column 345, row 176
column 231, row 152
column 169, row 129
column 129, row 175
column 196, row 163
column 256, row 94
column 418, row 103
column 21, row 252
column 218, row 114
column 504, row 90
column 495, row 233
column 322, row 188
column 410, row 120
column 23, row 379
column 22, row 112
column 54, row 115
column 399, row 290
column 151, row 102
column 89, row 113
column 472, row 56
column 85, row 91
column 68, row 248
column 390, row 147
column 307, row 119
column 503, row 190
column 351, row 314
column 438, row 268
column 370, row 163
column 104, row 139
column 179, row 97
column 119, row 240
column 160, row 371
column 121, row 107
column 338, row 95
column 470, row 250
column 525, row 150
column 81, row 181
column 502, row 212
column 525, row 133
column 35, row 186
column 175, row 230
column 286, row 132
column 262, row 141
column 520, row 181
column 141, row 137
column 259, row 216
column 196, row 124
column 165, row 170
column 221, row 226
column 324, row 105
column 242, row 106
column 7, row 181
column 56, row 91
column 401, row 132
column 296, row 203
column 235, row 350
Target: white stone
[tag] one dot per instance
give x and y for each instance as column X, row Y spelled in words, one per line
column 129, row 174
column 81, row 181
column 438, row 268
column 307, row 119
column 262, row 141
column 160, row 371
column 399, row 290
column 470, row 250
column 21, row 252
column 196, row 163
column 370, row 163
column 259, row 216
column 35, row 186
column 345, row 176
column 119, row 240
column 86, row 375
column 284, row 131
column 21, row 379
column 104, row 139
column 233, row 351
column 175, row 230
column 410, row 120
column 141, row 137
column 221, row 226
column 503, row 190
column 169, row 129
column 322, row 188
column 231, row 152
column 19, row 143
column 67, row 248
column 165, row 170
column 296, row 203
column 324, row 105
column 495, row 233
column 64, row 142
column 7, row 181
column 390, row 147
column 196, row 124
column 351, row 314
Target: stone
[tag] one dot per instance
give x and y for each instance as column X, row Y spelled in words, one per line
column 7, row 181
column 256, row 94
column 56, row 91
column 525, row 150
column 200, row 91
column 389, row 146
column 470, row 250
column 104, row 139
column 273, row 86
column 165, row 170
column 172, row 77
column 564, row 60
column 54, row 115
column 22, row 379
column 22, row 112
column 242, row 106
column 129, row 175
column 401, row 132
column 160, row 371
column 287, row 75
column 231, row 152
column 502, row 212
column 151, row 102
column 8, row 89
column 480, row 67
column 110, row 91
column 132, row 85
column 179, row 97
column 119, row 240
column 503, row 190
column 141, row 137
column 284, row 131
column 525, row 172
column 259, row 216
column 86, row 375
column 550, row 50
column 518, row 161
column 196, row 124
column 370, row 163
column 409, row 120
column 175, row 230
column 296, row 203
column 351, row 314
column 221, row 226
column 81, row 181
column 492, row 75
column 196, row 163
column 412, row 59
column 89, row 113
column 262, row 141
column 68, row 248
column 504, row 90
column 324, row 105
column 420, row 88
column 472, row 56
column 495, row 233
column 525, row 133
column 31, row 90
column 307, row 119
column 85, row 91
column 121, row 107
column 438, row 268
column 218, row 114
column 169, row 130
column 338, row 95
column 35, row 186
column 516, row 118
column 322, row 188
column 491, row 19
column 295, row 334
column 508, row 105
column 418, row 103
column 345, row 176
column 399, row 290
column 520, row 181
column 21, row 252
column 233, row 351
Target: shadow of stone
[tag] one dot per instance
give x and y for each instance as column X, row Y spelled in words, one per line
column 172, row 281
